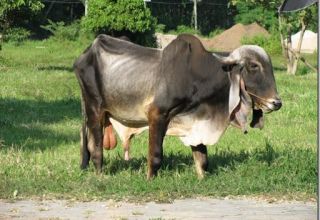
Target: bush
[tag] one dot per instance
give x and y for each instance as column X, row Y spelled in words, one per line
column 61, row 31
column 181, row 29
column 302, row 69
column 271, row 44
column 160, row 28
column 16, row 35
column 122, row 17
column 252, row 12
column 215, row 32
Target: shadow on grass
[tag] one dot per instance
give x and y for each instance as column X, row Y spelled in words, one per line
column 178, row 162
column 56, row 68
column 279, row 68
column 24, row 124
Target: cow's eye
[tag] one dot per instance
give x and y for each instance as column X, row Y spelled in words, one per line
column 253, row 66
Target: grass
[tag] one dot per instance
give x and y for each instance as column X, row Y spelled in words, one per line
column 39, row 140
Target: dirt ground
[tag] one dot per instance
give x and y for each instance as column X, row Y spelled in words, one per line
column 201, row 208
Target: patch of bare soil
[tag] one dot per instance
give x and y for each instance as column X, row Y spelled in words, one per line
column 201, row 208
column 230, row 39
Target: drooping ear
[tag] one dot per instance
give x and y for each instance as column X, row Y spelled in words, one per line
column 231, row 64
column 257, row 119
column 240, row 114
column 234, row 93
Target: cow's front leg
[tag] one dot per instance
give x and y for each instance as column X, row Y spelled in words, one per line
column 200, row 157
column 157, row 130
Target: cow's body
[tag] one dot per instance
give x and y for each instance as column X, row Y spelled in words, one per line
column 182, row 90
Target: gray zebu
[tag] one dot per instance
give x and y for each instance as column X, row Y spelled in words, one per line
column 182, row 90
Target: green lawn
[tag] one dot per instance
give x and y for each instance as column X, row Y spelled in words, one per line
column 39, row 140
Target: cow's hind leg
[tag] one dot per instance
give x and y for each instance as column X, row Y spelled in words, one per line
column 95, row 146
column 84, row 152
column 200, row 157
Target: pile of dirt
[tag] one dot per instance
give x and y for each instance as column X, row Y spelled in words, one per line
column 228, row 40
column 231, row 38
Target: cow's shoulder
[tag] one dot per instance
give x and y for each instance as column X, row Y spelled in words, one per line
column 195, row 44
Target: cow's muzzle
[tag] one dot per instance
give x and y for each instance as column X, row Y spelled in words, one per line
column 277, row 104
column 271, row 105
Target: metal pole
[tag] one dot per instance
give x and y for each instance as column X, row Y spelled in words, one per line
column 85, row 7
column 195, row 14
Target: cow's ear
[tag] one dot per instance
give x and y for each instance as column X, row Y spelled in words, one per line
column 240, row 114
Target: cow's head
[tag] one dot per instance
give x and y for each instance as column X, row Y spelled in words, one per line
column 256, row 83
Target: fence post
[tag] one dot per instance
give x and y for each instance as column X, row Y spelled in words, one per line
column 195, row 14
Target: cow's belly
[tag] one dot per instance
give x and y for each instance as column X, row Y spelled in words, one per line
column 191, row 129
column 134, row 116
column 198, row 131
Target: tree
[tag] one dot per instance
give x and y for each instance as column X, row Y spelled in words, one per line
column 10, row 9
column 295, row 21
column 265, row 13
column 122, row 17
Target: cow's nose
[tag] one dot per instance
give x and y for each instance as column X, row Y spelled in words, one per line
column 277, row 104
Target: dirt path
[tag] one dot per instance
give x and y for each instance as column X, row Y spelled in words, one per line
column 204, row 208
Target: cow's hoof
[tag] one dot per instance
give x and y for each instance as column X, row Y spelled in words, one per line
column 126, row 156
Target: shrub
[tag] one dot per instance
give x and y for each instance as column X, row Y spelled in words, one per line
column 302, row 69
column 61, row 31
column 184, row 29
column 122, row 17
column 16, row 35
column 254, row 12
column 215, row 32
column 160, row 28
column 271, row 44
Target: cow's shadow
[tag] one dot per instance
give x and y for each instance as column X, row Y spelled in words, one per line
column 177, row 162
column 55, row 68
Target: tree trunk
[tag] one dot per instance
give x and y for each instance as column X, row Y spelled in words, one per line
column 283, row 45
column 298, row 51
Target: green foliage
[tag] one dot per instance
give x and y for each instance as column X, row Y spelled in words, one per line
column 292, row 20
column 11, row 9
column 16, row 35
column 265, row 13
column 215, row 32
column 271, row 44
column 122, row 15
column 61, row 31
column 262, row 12
column 160, row 28
column 184, row 29
column 302, row 70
